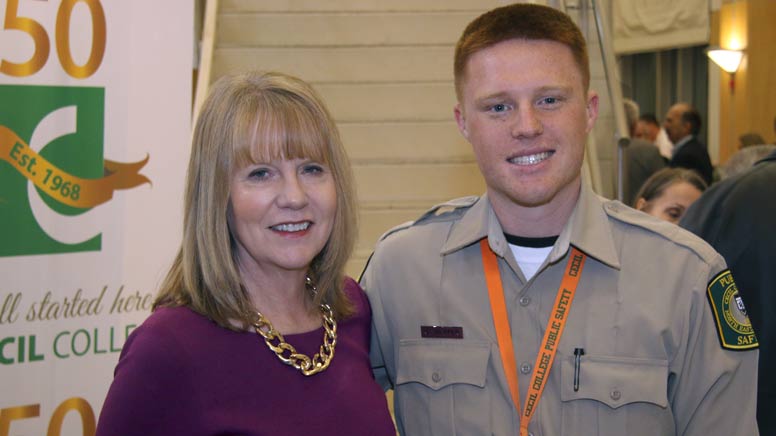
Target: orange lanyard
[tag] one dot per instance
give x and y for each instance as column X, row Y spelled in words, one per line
column 552, row 334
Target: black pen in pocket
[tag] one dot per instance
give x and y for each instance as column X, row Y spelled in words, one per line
column 578, row 353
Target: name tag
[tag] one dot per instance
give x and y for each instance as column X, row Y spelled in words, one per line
column 442, row 332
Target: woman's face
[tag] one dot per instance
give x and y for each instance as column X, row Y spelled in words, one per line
column 281, row 213
column 674, row 202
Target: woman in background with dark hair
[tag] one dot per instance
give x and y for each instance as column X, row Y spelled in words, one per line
column 255, row 330
column 668, row 193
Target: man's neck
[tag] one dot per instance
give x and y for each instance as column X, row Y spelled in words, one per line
column 547, row 219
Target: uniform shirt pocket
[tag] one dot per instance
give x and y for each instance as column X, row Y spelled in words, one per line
column 616, row 396
column 440, row 386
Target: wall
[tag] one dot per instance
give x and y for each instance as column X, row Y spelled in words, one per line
column 751, row 105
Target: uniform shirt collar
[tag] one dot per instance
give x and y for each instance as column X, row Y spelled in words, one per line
column 587, row 229
column 478, row 222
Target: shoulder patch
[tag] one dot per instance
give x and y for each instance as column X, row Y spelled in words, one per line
column 733, row 326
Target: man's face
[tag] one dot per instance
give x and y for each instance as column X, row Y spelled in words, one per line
column 646, row 131
column 675, row 127
column 526, row 113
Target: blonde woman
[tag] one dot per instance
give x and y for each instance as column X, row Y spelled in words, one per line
column 256, row 331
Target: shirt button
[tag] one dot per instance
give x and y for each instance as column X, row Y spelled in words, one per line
column 615, row 394
column 525, row 367
column 436, row 377
column 525, row 301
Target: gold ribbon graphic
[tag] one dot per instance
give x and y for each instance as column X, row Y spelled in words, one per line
column 62, row 186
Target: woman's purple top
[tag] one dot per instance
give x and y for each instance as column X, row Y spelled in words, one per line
column 181, row 374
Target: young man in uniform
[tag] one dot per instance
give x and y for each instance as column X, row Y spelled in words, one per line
column 540, row 308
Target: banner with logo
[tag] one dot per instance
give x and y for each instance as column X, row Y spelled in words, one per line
column 95, row 108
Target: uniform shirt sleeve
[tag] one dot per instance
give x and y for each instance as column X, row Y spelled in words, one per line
column 712, row 390
column 376, row 358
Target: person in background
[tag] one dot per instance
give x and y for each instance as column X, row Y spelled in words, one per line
column 750, row 139
column 743, row 159
column 736, row 216
column 255, row 330
column 649, row 129
column 683, row 123
column 641, row 158
column 475, row 321
column 669, row 192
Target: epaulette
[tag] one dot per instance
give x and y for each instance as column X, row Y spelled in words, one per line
column 620, row 212
column 448, row 206
column 438, row 210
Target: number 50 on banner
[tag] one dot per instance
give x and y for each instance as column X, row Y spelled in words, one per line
column 41, row 43
column 55, row 424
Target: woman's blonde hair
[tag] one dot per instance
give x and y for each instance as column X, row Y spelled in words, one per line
column 288, row 120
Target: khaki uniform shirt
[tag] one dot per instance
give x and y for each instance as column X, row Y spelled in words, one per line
column 653, row 362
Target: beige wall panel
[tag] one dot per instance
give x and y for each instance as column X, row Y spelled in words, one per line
column 357, row 5
column 604, row 130
column 761, row 70
column 596, row 64
column 605, row 127
column 606, row 148
column 389, row 102
column 342, row 64
column 608, row 178
column 419, row 185
column 342, row 29
column 405, row 142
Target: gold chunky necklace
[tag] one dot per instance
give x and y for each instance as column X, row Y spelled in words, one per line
column 288, row 354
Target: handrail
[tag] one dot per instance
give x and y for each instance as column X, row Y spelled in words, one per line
column 205, row 56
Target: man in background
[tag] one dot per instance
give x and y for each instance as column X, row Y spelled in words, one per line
column 648, row 129
column 641, row 158
column 736, row 216
column 683, row 123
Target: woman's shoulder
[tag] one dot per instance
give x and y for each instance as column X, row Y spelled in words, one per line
column 174, row 318
column 169, row 327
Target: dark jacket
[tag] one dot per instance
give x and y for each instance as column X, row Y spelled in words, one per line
column 737, row 216
column 695, row 156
